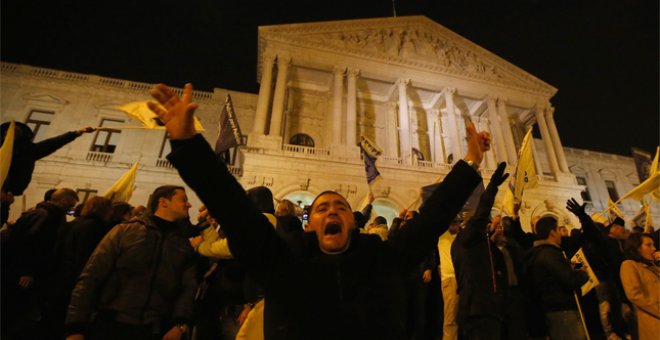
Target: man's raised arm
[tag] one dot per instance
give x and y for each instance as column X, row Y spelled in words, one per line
column 251, row 237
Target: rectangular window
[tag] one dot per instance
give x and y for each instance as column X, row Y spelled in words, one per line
column 84, row 194
column 39, row 122
column 586, row 196
column 611, row 190
column 165, row 147
column 106, row 139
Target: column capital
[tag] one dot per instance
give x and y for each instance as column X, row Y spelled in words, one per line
column 501, row 100
column 283, row 59
column 354, row 72
column 269, row 56
column 403, row 82
column 450, row 90
column 339, row 71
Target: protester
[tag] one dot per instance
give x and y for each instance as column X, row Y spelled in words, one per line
column 24, row 155
column 76, row 245
column 28, row 258
column 605, row 256
column 448, row 280
column 285, row 208
column 640, row 276
column 140, row 281
column 378, row 227
column 552, row 283
column 480, row 270
column 343, row 284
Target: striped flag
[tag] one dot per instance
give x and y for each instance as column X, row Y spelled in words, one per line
column 370, row 152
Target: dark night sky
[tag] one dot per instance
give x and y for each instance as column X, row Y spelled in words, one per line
column 603, row 56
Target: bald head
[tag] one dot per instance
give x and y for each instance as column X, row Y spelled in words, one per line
column 64, row 198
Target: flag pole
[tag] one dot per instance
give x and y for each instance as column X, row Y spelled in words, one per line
column 584, row 324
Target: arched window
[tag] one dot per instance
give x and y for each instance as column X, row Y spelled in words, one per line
column 302, row 139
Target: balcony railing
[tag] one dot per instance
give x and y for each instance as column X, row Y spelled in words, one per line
column 305, row 150
column 164, row 163
column 95, row 156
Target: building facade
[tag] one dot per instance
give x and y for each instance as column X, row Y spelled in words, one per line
column 406, row 83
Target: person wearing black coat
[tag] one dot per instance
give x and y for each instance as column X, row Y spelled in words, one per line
column 343, row 285
column 25, row 153
column 28, row 258
column 480, row 271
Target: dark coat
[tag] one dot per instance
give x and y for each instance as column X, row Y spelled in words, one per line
column 551, row 279
column 480, row 270
column 143, row 271
column 26, row 153
column 311, row 295
column 30, row 250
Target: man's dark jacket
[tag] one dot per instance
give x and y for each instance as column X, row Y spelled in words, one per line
column 480, row 270
column 143, row 272
column 311, row 295
column 551, row 278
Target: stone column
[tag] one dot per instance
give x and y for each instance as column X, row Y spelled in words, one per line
column 392, row 146
column 436, row 137
column 337, row 94
column 499, row 148
column 554, row 134
column 547, row 141
column 351, row 107
column 454, row 134
column 263, row 101
column 278, row 100
column 483, row 125
column 511, row 149
column 404, row 121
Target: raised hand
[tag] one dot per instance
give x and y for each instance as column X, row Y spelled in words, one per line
column 573, row 206
column 478, row 143
column 498, row 176
column 178, row 112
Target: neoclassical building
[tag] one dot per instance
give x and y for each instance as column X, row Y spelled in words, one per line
column 406, row 83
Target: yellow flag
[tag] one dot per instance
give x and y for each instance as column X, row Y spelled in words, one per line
column 6, row 152
column 524, row 176
column 122, row 190
column 655, row 194
column 650, row 185
column 613, row 211
column 643, row 217
column 141, row 112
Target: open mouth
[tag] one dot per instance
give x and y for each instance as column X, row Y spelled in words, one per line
column 332, row 228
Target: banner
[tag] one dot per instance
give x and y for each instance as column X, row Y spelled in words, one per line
column 579, row 260
column 122, row 190
column 229, row 132
column 6, row 152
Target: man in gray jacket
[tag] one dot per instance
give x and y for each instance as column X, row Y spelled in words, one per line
column 140, row 280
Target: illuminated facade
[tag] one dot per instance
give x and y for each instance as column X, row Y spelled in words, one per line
column 406, row 83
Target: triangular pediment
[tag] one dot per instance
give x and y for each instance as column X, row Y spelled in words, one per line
column 415, row 41
column 45, row 98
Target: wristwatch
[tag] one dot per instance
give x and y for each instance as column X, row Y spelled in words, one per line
column 183, row 328
column 474, row 165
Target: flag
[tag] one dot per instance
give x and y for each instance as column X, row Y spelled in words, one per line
column 643, row 162
column 523, row 177
column 613, row 211
column 141, row 112
column 6, row 152
column 643, row 216
column 579, row 260
column 370, row 152
column 654, row 171
column 649, row 186
column 229, row 132
column 122, row 190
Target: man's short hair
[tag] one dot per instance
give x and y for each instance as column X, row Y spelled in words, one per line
column 329, row 192
column 618, row 221
column 63, row 193
column 380, row 220
column 544, row 226
column 49, row 194
column 262, row 198
column 164, row 191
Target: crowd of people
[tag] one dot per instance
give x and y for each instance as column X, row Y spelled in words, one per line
column 250, row 269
